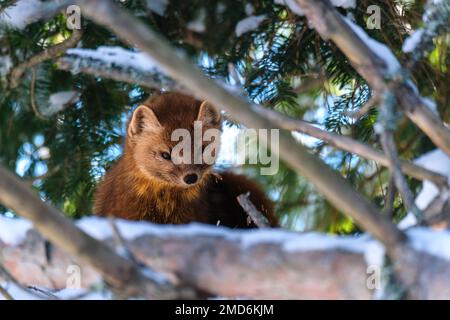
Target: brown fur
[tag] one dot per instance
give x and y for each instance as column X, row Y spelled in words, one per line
column 144, row 186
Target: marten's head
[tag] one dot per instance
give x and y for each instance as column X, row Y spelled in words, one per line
column 174, row 139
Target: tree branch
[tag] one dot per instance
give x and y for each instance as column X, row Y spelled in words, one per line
column 218, row 260
column 98, row 68
column 257, row 217
column 264, row 264
column 350, row 145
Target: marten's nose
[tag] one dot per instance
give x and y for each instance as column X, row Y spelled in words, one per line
column 191, row 178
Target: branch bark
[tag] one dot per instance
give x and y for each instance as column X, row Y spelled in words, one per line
column 98, row 68
column 257, row 217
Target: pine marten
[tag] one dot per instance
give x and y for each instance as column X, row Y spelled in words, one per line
column 146, row 184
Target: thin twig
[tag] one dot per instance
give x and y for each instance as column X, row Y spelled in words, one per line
column 257, row 217
column 121, row 245
column 44, row 176
column 32, row 96
column 5, row 293
column 46, row 293
column 356, row 114
column 387, row 141
column 390, row 198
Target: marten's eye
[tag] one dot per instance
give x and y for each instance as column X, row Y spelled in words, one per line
column 165, row 155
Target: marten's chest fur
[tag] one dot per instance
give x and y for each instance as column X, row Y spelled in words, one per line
column 124, row 195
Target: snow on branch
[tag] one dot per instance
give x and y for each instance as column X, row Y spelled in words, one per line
column 119, row 64
column 24, row 12
column 435, row 22
column 296, row 8
column 259, row 263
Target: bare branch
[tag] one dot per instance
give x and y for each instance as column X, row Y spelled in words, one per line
column 356, row 114
column 387, row 140
column 349, row 145
column 390, row 198
column 257, row 217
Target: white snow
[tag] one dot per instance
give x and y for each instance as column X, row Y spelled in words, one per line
column 431, row 104
column 381, row 50
column 13, row 231
column 436, row 243
column 158, row 6
column 412, row 41
column 436, row 161
column 291, row 4
column 408, row 221
column 59, row 100
column 198, row 25
column 17, row 293
column 118, row 56
column 22, row 13
column 5, row 65
column 248, row 24
column 294, row 6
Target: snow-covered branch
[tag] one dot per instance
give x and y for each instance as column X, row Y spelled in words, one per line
column 118, row 64
column 258, row 264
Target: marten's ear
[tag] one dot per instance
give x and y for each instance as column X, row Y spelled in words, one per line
column 143, row 119
column 209, row 115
